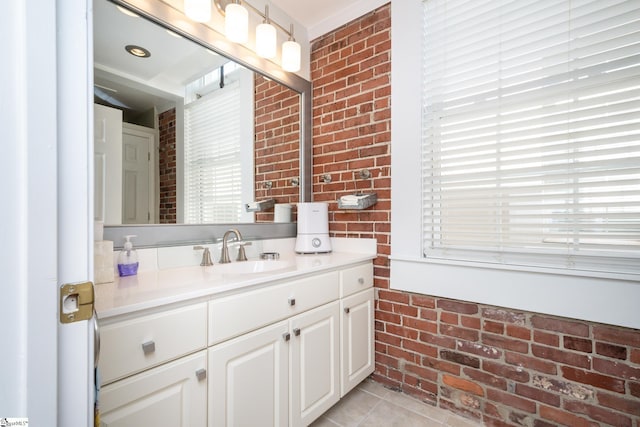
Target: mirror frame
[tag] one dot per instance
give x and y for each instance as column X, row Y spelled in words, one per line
column 174, row 234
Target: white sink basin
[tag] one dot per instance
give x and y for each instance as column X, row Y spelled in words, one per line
column 252, row 267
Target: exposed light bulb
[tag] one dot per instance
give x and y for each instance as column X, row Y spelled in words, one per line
column 236, row 23
column 266, row 40
column 291, row 56
column 198, row 10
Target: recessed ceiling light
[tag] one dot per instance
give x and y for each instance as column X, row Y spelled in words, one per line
column 137, row 51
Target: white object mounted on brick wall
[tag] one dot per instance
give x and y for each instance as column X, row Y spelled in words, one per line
column 357, row 201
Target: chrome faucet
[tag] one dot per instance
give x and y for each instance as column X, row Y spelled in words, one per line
column 224, row 255
column 206, row 256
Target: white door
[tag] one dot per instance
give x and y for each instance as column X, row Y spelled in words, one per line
column 28, row 218
column 75, row 352
column 137, row 175
column 315, row 363
column 107, row 151
column 47, row 368
column 249, row 380
column 357, row 339
column 173, row 394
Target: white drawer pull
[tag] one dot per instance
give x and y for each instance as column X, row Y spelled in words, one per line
column 148, row 347
column 201, row 374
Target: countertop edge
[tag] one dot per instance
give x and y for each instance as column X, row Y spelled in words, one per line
column 201, row 290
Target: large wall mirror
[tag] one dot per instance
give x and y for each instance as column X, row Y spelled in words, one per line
column 185, row 134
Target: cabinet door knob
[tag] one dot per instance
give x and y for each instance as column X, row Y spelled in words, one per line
column 286, row 336
column 292, row 301
column 201, row 374
column 361, row 280
column 347, row 310
column 148, row 347
column 296, row 332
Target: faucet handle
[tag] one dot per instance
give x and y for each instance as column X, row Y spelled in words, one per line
column 242, row 255
column 206, row 256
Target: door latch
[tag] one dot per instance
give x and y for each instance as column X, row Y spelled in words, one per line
column 76, row 302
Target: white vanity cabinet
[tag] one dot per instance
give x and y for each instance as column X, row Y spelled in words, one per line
column 356, row 332
column 357, row 345
column 173, row 394
column 282, row 374
column 315, row 363
column 154, row 369
column 248, row 384
column 278, row 354
column 288, row 373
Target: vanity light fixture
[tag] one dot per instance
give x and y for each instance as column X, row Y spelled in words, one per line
column 291, row 54
column 138, row 51
column 236, row 30
column 236, row 23
column 198, row 10
column 266, row 37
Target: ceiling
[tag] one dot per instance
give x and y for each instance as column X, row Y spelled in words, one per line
column 169, row 67
column 310, row 13
column 322, row 16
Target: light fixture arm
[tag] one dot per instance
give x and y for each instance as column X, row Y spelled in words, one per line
column 291, row 33
column 221, row 4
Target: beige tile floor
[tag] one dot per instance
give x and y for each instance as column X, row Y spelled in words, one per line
column 371, row 404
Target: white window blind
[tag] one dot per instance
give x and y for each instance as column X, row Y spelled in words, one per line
column 213, row 169
column 531, row 133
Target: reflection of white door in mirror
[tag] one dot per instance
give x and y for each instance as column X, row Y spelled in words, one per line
column 138, row 195
column 108, row 164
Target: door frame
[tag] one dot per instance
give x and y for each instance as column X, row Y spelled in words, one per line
column 28, row 218
column 46, row 224
column 75, row 203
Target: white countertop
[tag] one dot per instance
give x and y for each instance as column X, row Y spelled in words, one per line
column 156, row 288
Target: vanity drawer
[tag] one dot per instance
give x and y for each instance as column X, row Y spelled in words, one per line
column 356, row 279
column 236, row 314
column 134, row 345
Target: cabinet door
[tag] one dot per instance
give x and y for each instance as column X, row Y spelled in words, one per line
column 315, row 363
column 174, row 394
column 357, row 339
column 248, row 382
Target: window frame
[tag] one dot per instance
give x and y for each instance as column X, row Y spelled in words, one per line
column 586, row 296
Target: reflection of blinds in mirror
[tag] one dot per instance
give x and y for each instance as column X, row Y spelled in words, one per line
column 213, row 172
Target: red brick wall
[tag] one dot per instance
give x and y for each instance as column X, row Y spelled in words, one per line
column 500, row 366
column 277, row 143
column 167, row 166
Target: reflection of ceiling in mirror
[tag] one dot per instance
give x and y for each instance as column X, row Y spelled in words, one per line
column 174, row 61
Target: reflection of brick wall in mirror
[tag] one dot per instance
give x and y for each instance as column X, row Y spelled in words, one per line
column 167, row 166
column 277, row 143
